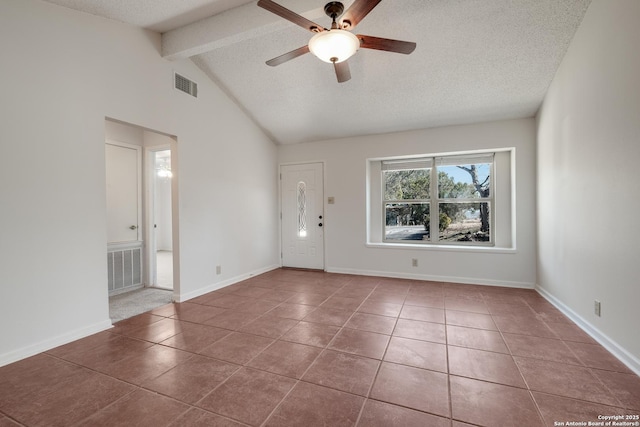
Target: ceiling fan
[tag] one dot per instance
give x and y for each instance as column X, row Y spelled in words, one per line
column 337, row 44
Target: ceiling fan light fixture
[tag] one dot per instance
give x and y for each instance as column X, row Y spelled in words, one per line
column 334, row 45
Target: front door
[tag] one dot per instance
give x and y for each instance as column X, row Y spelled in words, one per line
column 302, row 216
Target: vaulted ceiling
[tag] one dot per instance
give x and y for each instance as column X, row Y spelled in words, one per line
column 476, row 60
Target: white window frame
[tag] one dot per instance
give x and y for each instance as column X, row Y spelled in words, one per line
column 379, row 221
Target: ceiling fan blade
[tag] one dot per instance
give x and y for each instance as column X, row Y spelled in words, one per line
column 356, row 13
column 289, row 15
column 343, row 73
column 398, row 46
column 288, row 56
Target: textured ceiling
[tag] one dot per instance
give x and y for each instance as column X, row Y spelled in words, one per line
column 476, row 60
column 156, row 15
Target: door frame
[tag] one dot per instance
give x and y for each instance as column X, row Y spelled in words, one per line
column 324, row 212
column 172, row 142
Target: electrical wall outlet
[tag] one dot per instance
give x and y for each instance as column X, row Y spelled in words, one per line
column 218, row 269
column 596, row 307
column 414, row 262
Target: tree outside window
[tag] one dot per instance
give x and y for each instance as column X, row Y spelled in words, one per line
column 462, row 200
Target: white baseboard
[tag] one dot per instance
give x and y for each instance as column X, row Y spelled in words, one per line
column 48, row 344
column 433, row 278
column 613, row 347
column 224, row 283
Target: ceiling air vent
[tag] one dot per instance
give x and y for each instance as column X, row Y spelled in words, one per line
column 185, row 85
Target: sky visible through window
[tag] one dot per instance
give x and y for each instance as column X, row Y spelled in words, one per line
column 460, row 175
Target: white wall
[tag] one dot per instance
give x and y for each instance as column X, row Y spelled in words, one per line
column 62, row 73
column 345, row 179
column 588, row 159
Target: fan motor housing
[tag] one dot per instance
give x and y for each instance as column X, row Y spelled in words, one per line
column 333, row 9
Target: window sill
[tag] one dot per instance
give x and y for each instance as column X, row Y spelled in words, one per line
column 443, row 248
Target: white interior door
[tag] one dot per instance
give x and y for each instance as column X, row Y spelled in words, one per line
column 123, row 193
column 302, row 216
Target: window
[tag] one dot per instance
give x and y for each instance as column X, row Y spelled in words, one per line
column 440, row 199
column 406, row 199
column 302, row 209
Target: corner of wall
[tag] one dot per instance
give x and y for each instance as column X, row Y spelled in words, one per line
column 223, row 284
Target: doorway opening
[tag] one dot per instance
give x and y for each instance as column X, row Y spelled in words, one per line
column 141, row 217
column 161, row 240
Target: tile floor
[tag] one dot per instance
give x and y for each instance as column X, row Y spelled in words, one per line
column 296, row 348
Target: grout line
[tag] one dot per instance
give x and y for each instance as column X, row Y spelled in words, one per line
column 446, row 341
column 299, row 380
column 375, row 377
column 485, row 299
column 528, row 388
column 113, row 403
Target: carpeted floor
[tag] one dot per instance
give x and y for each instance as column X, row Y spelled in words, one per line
column 136, row 302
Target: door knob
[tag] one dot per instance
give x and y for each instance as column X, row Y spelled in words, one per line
column 320, row 225
column 133, row 227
